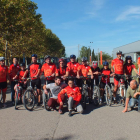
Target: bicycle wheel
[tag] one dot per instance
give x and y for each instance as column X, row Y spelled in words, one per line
column 96, row 95
column 84, row 98
column 16, row 100
column 108, row 95
column 29, row 100
column 46, row 97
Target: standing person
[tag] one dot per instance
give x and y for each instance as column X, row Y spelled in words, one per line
column 132, row 96
column 49, row 69
column 13, row 70
column 138, row 63
column 3, row 79
column 74, row 97
column 62, row 70
column 128, row 67
column 84, row 70
column 55, row 88
column 34, row 69
column 117, row 68
column 73, row 68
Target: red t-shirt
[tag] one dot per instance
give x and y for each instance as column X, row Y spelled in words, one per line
column 3, row 73
column 48, row 70
column 73, row 68
column 118, row 66
column 62, row 71
column 138, row 62
column 71, row 92
column 84, row 70
column 13, row 70
column 105, row 72
column 33, row 68
column 128, row 68
column 21, row 74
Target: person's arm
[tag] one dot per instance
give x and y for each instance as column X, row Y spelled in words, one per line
column 126, row 105
column 38, row 73
column 63, row 91
column 78, row 71
column 57, row 72
column 79, row 96
column 91, row 73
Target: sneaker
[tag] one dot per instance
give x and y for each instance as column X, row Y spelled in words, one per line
column 115, row 102
column 38, row 104
column 70, row 113
column 4, row 105
column 60, row 111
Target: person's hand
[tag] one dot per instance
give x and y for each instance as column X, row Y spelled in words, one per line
column 53, row 75
column 25, row 82
column 61, row 103
column 45, row 91
column 135, row 95
column 125, row 110
column 92, row 76
column 78, row 76
column 13, row 78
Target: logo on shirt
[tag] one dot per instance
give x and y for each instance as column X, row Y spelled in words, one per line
column 50, row 66
column 74, row 89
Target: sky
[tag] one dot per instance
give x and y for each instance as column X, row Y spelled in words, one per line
column 106, row 23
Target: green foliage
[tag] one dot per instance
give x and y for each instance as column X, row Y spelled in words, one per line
column 22, row 27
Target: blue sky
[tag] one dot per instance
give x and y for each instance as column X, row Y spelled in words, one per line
column 106, row 23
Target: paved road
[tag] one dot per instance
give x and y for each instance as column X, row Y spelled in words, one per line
column 102, row 123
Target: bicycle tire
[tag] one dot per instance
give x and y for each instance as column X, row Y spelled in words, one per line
column 16, row 101
column 108, row 95
column 84, row 99
column 96, row 95
column 29, row 100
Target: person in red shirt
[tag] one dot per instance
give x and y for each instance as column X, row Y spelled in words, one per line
column 22, row 83
column 62, row 70
column 3, row 79
column 13, row 70
column 34, row 71
column 106, row 72
column 73, row 68
column 117, row 68
column 138, row 63
column 49, row 69
column 74, row 97
column 128, row 67
column 85, row 70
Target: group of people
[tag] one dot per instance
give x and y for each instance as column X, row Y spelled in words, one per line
column 60, row 85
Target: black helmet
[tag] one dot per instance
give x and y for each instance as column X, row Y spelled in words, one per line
column 128, row 58
column 84, row 59
column 119, row 52
column 22, row 65
column 34, row 55
column 47, row 56
column 105, row 63
column 72, row 56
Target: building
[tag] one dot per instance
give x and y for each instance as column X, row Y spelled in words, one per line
column 132, row 49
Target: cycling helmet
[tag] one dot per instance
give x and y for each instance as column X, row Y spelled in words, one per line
column 2, row 58
column 84, row 59
column 95, row 64
column 128, row 58
column 47, row 56
column 61, row 59
column 22, row 65
column 105, row 63
column 34, row 55
column 119, row 52
column 72, row 56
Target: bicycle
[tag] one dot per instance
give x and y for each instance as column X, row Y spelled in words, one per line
column 96, row 93
column 30, row 95
column 121, row 90
column 18, row 96
column 108, row 92
column 46, row 97
column 84, row 90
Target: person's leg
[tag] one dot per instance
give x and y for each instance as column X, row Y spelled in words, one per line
column 52, row 103
column 70, row 103
column 63, row 99
column 138, row 100
column 4, row 94
column 132, row 102
column 12, row 90
column 79, row 108
column 116, row 82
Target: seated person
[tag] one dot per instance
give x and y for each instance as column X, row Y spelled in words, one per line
column 132, row 96
column 74, row 97
column 104, row 71
column 22, row 82
column 55, row 88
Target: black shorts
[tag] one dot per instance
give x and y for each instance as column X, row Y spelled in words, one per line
column 102, row 85
column 36, row 82
column 24, row 86
column 3, row 85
